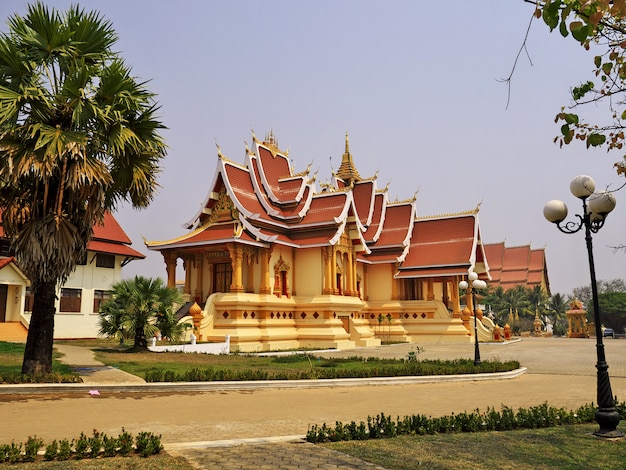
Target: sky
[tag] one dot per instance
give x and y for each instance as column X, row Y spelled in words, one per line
column 416, row 85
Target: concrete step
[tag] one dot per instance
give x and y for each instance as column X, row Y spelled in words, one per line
column 13, row 332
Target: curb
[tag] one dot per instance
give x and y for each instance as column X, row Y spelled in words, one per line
column 175, row 387
column 181, row 446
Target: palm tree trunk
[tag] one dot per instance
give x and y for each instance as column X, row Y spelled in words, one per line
column 38, row 352
column 141, row 342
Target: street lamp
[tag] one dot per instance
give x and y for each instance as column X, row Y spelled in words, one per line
column 477, row 285
column 596, row 207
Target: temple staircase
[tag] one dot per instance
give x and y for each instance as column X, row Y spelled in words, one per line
column 13, row 332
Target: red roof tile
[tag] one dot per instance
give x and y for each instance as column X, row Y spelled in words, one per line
column 396, row 226
column 440, row 242
column 110, row 230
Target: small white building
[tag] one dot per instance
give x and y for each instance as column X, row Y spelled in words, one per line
column 79, row 298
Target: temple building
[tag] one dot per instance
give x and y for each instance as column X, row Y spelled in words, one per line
column 78, row 300
column 276, row 261
column 510, row 266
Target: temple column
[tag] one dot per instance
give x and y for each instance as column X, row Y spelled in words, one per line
column 333, row 277
column 431, row 290
column 265, row 271
column 236, row 257
column 293, row 272
column 170, row 258
column 365, row 296
column 250, row 284
column 199, row 262
column 350, row 284
column 456, row 300
column 445, row 294
column 188, row 267
column 394, row 282
column 328, row 272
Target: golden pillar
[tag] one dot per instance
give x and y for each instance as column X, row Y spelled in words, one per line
column 199, row 264
column 236, row 256
column 431, row 290
column 293, row 272
column 170, row 258
column 365, row 296
column 328, row 271
column 394, row 282
column 333, row 275
column 265, row 271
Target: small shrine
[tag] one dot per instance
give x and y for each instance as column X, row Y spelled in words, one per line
column 577, row 320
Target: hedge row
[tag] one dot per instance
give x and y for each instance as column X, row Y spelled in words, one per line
column 382, row 426
column 331, row 369
column 84, row 447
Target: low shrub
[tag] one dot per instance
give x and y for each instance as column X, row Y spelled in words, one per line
column 54, row 377
column 85, row 447
column 331, row 368
column 32, row 446
column 382, row 426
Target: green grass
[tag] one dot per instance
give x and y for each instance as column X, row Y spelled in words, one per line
column 11, row 358
column 564, row 447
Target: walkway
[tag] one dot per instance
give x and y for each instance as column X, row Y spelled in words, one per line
column 206, row 427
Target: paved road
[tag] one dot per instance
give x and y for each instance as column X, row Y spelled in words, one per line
column 560, row 371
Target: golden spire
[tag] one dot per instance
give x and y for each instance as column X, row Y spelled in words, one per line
column 347, row 171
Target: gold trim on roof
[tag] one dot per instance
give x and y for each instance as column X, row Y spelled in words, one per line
column 451, row 214
column 304, row 172
column 410, row 200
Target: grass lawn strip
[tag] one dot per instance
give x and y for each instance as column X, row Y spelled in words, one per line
column 563, row 447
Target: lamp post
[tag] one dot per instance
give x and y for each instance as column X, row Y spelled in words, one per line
column 596, row 207
column 477, row 285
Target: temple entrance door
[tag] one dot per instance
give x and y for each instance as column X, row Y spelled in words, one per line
column 3, row 302
column 222, row 277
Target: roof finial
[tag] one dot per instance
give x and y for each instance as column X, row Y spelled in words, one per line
column 347, row 171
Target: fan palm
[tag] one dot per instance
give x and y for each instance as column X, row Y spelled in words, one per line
column 141, row 307
column 78, row 136
column 537, row 298
column 558, row 306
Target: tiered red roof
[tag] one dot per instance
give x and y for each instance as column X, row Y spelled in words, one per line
column 269, row 203
column 444, row 246
column 108, row 237
column 517, row 265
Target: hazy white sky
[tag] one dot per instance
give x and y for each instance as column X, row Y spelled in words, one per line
column 415, row 84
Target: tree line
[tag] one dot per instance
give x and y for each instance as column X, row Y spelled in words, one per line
column 520, row 305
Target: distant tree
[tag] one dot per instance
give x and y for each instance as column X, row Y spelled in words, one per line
column 78, row 136
column 583, row 293
column 613, row 310
column 141, row 307
column 599, row 25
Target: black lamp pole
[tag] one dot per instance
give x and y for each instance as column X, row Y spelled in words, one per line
column 472, row 285
column 476, row 348
column 607, row 415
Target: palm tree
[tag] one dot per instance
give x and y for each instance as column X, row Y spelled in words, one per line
column 537, row 298
column 516, row 300
column 496, row 298
column 558, row 306
column 78, row 136
column 141, row 307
